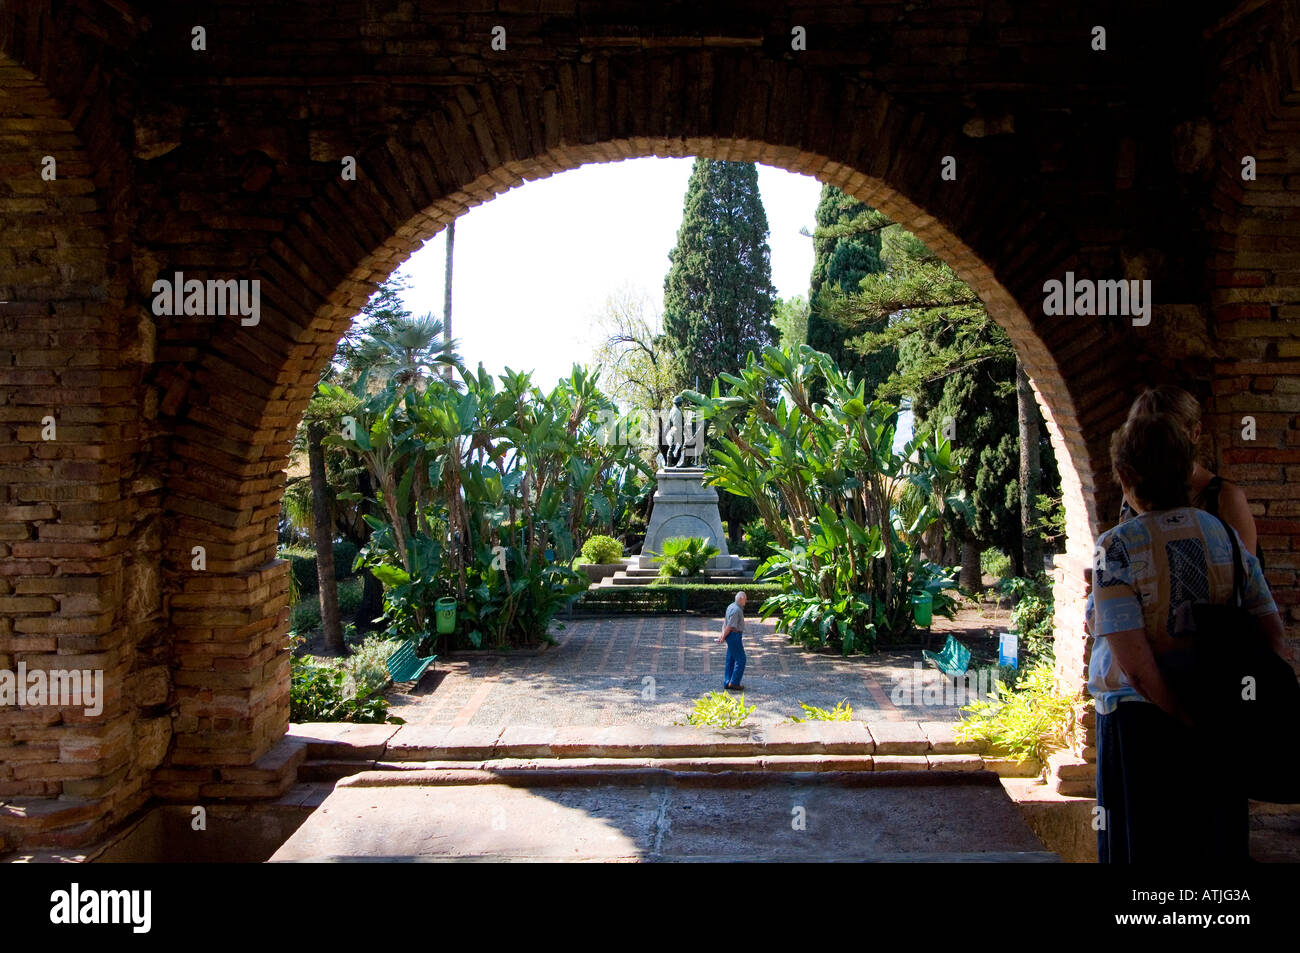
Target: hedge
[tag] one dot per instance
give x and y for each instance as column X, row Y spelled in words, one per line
column 302, row 563
column 700, row 598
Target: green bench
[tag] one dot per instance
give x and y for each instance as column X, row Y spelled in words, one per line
column 405, row 666
column 953, row 659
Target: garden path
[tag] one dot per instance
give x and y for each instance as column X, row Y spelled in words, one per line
column 646, row 670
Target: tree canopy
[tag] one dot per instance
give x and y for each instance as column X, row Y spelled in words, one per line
column 718, row 294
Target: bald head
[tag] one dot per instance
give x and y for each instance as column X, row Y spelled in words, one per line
column 740, row 599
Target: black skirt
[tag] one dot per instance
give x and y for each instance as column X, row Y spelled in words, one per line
column 1163, row 796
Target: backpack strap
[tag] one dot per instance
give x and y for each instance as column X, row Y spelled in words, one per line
column 1210, row 495
column 1238, row 570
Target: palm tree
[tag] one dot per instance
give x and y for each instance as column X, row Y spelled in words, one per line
column 406, row 350
column 403, row 349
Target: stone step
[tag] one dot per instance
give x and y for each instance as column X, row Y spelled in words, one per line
column 618, row 579
column 639, row 573
column 661, row 815
column 335, row 751
column 1072, row 775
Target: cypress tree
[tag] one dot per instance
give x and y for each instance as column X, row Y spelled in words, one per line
column 718, row 294
column 843, row 256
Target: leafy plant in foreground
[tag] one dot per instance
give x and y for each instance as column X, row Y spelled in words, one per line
column 842, row 711
column 720, row 710
column 685, row 556
column 1032, row 720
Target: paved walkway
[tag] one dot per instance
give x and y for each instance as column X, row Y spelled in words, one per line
column 647, row 670
column 959, row 818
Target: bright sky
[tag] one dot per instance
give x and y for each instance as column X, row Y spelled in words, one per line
column 534, row 265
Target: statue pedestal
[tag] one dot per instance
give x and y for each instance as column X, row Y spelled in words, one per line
column 684, row 506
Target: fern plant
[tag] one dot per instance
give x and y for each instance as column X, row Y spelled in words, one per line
column 1031, row 720
column 842, row 711
column 720, row 710
column 685, row 556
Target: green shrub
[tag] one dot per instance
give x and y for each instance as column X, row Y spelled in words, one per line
column 350, row 591
column 754, row 540
column 1031, row 720
column 367, row 666
column 685, row 556
column 302, row 564
column 319, row 691
column 719, row 710
column 842, row 711
column 709, row 598
column 345, row 554
column 304, row 616
column 602, row 549
column 995, row 563
column 1032, row 617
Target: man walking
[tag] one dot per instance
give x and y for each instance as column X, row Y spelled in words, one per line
column 733, row 631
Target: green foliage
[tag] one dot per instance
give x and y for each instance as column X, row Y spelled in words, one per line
column 718, row 294
column 661, row 598
column 367, row 666
column 842, row 257
column 847, row 510
column 755, row 540
column 1051, row 519
column 995, row 563
column 685, row 556
column 484, row 488
column 1032, row 616
column 957, row 367
column 842, row 711
column 350, row 592
column 602, row 549
column 719, row 710
column 1033, row 720
column 791, row 321
column 302, row 564
column 633, row 353
column 295, row 591
column 304, row 616
column 319, row 691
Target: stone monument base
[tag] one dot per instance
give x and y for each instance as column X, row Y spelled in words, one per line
column 684, row 506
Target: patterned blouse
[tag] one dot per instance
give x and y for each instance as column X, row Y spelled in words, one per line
column 1147, row 573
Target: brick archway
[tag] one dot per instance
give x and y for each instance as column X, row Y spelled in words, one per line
column 237, row 416
column 227, row 166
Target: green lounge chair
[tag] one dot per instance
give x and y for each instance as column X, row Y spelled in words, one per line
column 405, row 666
column 952, row 660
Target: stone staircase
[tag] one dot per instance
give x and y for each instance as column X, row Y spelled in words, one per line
column 727, row 569
column 813, row 792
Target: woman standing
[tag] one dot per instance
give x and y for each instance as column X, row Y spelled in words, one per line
column 1209, row 491
column 1160, row 801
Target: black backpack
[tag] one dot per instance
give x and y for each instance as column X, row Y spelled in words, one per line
column 1242, row 696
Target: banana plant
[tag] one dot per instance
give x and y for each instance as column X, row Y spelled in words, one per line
column 847, row 510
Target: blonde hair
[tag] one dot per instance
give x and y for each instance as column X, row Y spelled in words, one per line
column 1172, row 402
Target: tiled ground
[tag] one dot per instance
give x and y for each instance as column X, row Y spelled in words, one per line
column 646, row 671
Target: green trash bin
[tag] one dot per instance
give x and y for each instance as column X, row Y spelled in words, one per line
column 445, row 610
column 922, row 608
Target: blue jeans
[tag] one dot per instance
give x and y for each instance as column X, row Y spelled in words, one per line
column 735, row 659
